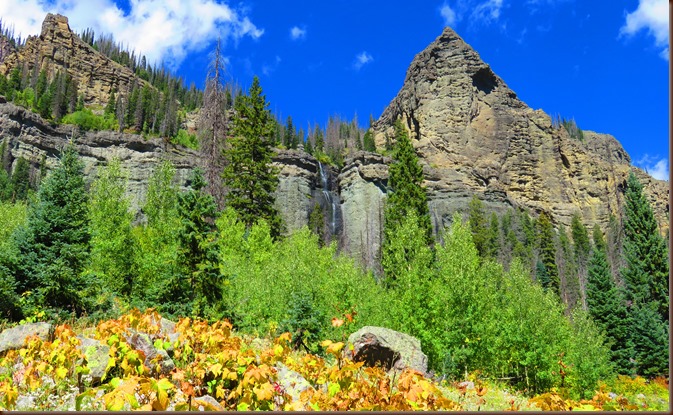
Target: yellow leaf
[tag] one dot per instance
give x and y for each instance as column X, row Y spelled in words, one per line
column 326, row 343
column 335, row 348
column 264, row 392
column 61, row 373
column 278, row 350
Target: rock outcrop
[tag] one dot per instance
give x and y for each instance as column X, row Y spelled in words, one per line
column 475, row 136
column 14, row 338
column 57, row 48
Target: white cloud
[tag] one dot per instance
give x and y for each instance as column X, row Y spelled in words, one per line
column 362, row 59
column 163, row 30
column 476, row 11
column 448, row 14
column 654, row 166
column 297, row 33
column 651, row 15
column 487, row 10
column 268, row 69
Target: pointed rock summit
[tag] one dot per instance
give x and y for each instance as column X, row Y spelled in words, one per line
column 59, row 49
column 474, row 135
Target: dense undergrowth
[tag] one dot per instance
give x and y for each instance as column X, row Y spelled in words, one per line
column 242, row 373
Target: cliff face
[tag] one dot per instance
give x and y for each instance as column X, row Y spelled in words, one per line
column 57, row 48
column 29, row 136
column 474, row 135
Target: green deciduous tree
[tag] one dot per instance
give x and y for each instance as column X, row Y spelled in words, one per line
column 112, row 242
column 249, row 175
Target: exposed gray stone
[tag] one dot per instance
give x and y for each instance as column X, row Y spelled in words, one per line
column 96, row 355
column 292, row 382
column 15, row 337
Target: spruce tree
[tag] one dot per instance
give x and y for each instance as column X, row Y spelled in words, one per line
column 406, row 197
column 478, row 227
column 249, row 175
column 21, row 180
column 405, row 180
column 197, row 252
column 547, row 251
column 645, row 252
column 54, row 245
column 607, row 307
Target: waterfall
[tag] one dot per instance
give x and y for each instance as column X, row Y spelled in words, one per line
column 331, row 201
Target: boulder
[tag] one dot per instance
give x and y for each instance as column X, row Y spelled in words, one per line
column 96, row 355
column 15, row 337
column 292, row 382
column 142, row 342
column 390, row 349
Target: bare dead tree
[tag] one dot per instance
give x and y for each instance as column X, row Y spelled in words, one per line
column 213, row 126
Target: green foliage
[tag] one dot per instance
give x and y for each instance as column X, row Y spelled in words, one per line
column 607, row 308
column 478, row 225
column 197, row 251
column 87, row 120
column 547, row 252
column 645, row 252
column 649, row 335
column 12, row 217
column 249, row 175
column 20, row 181
column 158, row 243
column 316, row 223
column 567, row 268
column 406, row 197
column 112, row 242
column 185, row 139
column 406, row 255
column 304, row 321
column 54, row 244
column 368, row 143
column 261, row 277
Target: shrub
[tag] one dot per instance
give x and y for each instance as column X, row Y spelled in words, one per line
column 87, row 120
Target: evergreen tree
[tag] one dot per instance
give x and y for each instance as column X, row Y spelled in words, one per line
column 649, row 336
column 567, row 268
column 111, row 107
column 316, row 223
column 493, row 238
column 249, row 175
column 289, row 134
column 197, row 253
column 319, row 140
column 582, row 250
column 478, row 226
column 607, row 308
column 406, row 198
column 54, row 245
column 368, row 141
column 547, row 251
column 112, row 242
column 645, row 252
column 405, row 180
column 21, row 179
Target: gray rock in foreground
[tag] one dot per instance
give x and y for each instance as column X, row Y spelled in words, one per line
column 15, row 337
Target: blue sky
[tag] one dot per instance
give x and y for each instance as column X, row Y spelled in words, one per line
column 603, row 63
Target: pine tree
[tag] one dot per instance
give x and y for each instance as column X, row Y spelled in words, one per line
column 249, row 175
column 289, row 134
column 493, row 238
column 582, row 250
column 54, row 245
column 645, row 252
column 547, row 251
column 606, row 305
column 570, row 284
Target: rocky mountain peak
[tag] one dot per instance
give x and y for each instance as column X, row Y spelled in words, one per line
column 58, row 48
column 475, row 136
